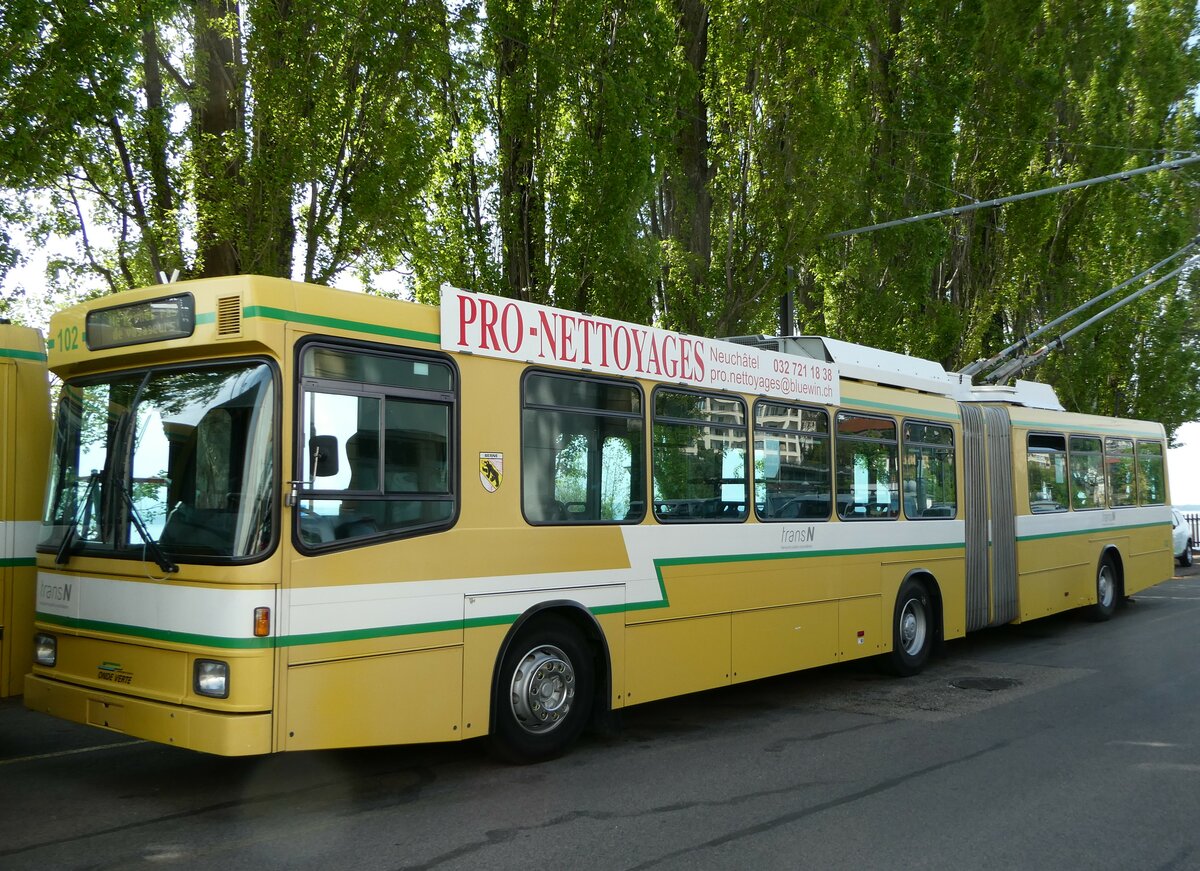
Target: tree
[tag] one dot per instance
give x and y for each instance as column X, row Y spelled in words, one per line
column 214, row 137
column 676, row 161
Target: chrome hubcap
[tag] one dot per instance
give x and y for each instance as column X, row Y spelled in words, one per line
column 913, row 626
column 543, row 687
column 1104, row 587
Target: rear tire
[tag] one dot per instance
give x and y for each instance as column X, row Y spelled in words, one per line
column 543, row 692
column 1106, row 592
column 1185, row 559
column 912, row 629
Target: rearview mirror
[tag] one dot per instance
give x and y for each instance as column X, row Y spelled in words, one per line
column 323, row 454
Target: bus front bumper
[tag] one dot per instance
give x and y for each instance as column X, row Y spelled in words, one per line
column 206, row 731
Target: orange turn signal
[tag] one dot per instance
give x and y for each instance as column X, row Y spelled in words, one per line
column 262, row 622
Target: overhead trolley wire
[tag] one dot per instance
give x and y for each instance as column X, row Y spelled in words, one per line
column 1019, row 365
column 985, row 366
column 1028, row 195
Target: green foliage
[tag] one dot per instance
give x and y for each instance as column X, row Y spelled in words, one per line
column 211, row 137
column 675, row 161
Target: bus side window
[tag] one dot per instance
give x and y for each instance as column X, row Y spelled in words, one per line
column 1046, row 459
column 700, row 457
column 1151, row 479
column 1087, row 473
column 1120, row 472
column 582, row 450
column 868, row 470
column 792, row 469
column 928, row 471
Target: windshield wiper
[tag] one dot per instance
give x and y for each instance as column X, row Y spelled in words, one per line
column 160, row 556
column 63, row 556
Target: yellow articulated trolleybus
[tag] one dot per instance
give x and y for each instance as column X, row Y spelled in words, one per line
column 24, row 439
column 284, row 517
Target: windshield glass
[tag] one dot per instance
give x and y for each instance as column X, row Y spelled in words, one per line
column 194, row 450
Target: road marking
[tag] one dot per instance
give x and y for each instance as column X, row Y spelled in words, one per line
column 1143, row 743
column 69, row 752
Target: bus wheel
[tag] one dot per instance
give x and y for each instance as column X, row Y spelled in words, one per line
column 912, row 629
column 1106, row 592
column 543, row 692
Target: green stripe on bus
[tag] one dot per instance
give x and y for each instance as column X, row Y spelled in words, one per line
column 806, row 554
column 221, row 641
column 601, row 610
column 18, row 354
column 659, row 564
column 418, row 628
column 364, row 634
column 1088, row 429
column 849, row 404
column 1092, row 531
column 279, row 314
column 663, row 600
column 451, row 625
column 206, row 318
column 156, row 634
column 19, row 561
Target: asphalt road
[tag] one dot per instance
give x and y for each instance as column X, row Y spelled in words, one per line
column 1059, row 744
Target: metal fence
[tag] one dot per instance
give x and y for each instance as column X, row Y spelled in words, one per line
column 1193, row 521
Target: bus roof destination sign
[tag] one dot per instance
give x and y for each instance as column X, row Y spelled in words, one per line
column 510, row 329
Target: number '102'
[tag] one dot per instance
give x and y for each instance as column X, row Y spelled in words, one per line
column 68, row 339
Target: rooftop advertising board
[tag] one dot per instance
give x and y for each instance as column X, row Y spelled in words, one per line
column 509, row 329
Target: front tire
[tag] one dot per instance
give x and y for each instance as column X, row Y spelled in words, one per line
column 1106, row 592
column 912, row 629
column 543, row 692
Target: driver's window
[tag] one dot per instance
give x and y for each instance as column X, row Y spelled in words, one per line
column 373, row 447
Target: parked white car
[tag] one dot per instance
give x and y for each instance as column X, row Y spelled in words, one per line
column 1181, row 538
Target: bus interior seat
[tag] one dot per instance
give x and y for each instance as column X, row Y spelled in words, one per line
column 362, row 453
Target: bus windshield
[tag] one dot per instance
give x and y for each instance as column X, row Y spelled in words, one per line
column 187, row 452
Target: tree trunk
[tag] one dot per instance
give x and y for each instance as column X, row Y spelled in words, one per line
column 166, row 253
column 687, row 201
column 218, row 147
column 522, row 208
column 270, row 231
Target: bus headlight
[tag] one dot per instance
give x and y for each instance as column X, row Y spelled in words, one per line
column 45, row 649
column 212, row 678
